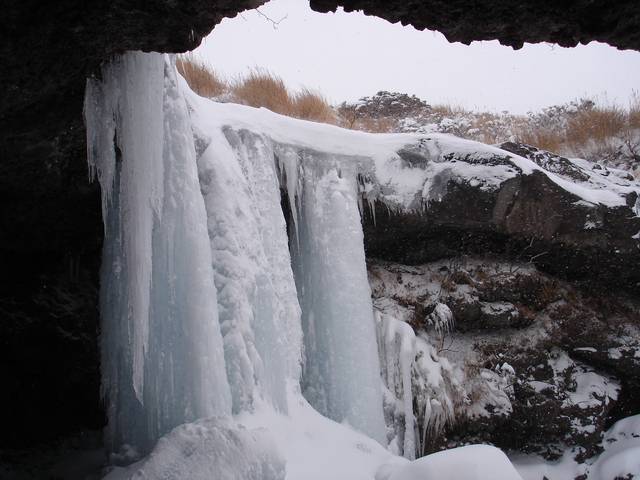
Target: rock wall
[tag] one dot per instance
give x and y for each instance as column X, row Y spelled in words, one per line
column 541, row 365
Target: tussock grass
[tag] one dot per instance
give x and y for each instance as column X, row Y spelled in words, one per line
column 312, row 105
column 546, row 139
column 597, row 126
column 261, row 88
column 202, row 80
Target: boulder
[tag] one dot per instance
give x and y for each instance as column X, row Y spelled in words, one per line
column 572, row 219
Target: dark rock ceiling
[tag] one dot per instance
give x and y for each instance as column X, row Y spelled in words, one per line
column 565, row 22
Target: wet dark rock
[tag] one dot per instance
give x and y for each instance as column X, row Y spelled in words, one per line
column 49, row 360
column 547, row 160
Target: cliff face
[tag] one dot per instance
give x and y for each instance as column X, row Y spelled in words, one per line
column 51, row 232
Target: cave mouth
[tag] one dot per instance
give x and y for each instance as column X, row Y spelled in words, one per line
column 52, row 234
column 301, row 45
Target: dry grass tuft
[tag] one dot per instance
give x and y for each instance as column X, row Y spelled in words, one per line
column 546, row 139
column 261, row 88
column 598, row 125
column 312, row 105
column 201, row 78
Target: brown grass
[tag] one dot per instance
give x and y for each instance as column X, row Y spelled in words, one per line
column 312, row 105
column 201, row 78
column 261, row 88
column 634, row 111
column 598, row 125
column 546, row 139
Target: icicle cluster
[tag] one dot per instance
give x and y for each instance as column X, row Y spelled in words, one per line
column 201, row 313
column 418, row 387
column 259, row 311
column 162, row 359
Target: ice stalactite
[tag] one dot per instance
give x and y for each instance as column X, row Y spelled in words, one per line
column 420, row 391
column 341, row 375
column 162, row 360
column 396, row 348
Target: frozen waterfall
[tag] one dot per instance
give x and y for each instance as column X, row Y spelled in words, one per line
column 201, row 314
column 238, row 335
column 342, row 376
column 162, row 360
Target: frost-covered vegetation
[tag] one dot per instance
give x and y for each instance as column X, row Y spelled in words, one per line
column 594, row 129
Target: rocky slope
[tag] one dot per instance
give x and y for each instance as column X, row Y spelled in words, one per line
column 535, row 363
column 525, row 289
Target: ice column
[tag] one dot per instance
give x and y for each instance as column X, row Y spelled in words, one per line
column 396, row 346
column 259, row 311
column 161, row 346
column 341, row 375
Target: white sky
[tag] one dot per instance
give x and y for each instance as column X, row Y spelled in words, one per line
column 348, row 56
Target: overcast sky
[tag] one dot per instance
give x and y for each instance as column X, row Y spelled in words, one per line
column 348, row 56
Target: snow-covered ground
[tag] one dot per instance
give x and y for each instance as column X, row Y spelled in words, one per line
column 620, row 458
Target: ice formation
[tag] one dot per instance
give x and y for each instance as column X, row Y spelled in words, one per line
column 199, row 305
column 213, row 310
column 341, row 376
column 162, row 362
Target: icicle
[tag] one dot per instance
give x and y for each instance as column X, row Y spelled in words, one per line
column 127, row 108
column 341, row 378
column 441, row 319
column 259, row 312
column 396, row 344
column 372, row 209
column 161, row 344
column 289, row 163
